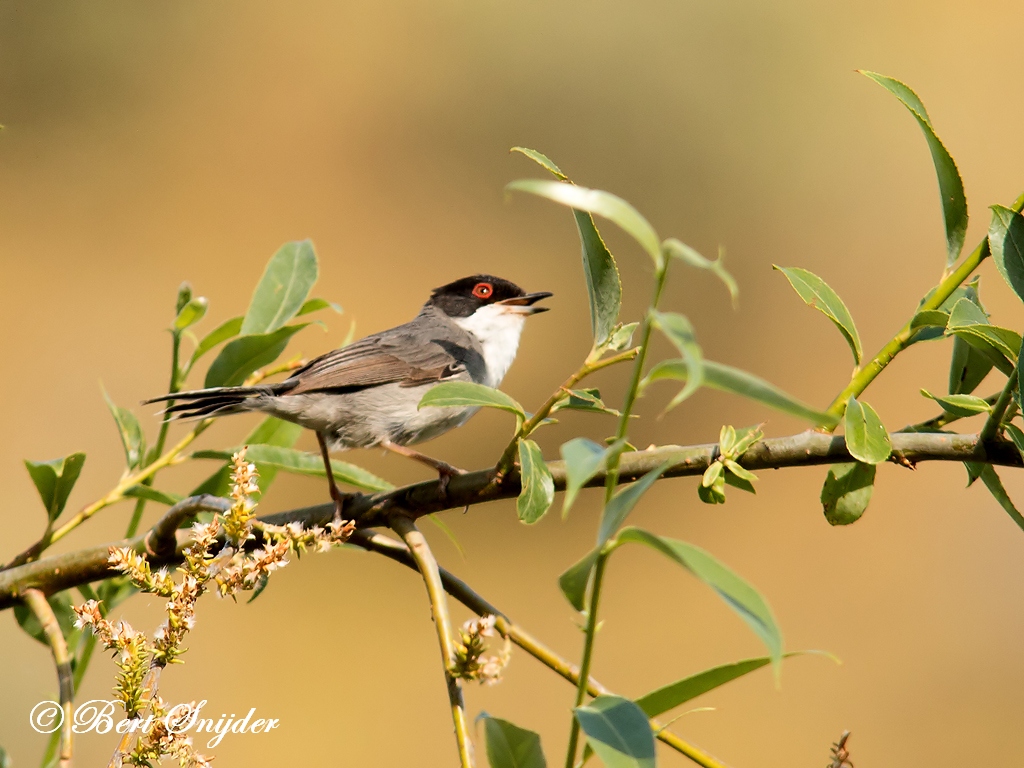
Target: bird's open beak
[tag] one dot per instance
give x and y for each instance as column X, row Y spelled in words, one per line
column 523, row 305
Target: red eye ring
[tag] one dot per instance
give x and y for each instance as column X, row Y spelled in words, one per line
column 483, row 290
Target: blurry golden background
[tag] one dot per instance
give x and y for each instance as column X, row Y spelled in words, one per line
column 150, row 143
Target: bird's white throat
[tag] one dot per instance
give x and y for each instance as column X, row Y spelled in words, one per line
column 498, row 329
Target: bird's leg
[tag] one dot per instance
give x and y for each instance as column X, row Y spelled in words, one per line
column 445, row 471
column 337, row 496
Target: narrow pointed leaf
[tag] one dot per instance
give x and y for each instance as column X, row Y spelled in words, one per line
column 542, row 160
column 149, row 493
column 680, row 332
column 618, row 732
column 132, row 438
column 680, row 250
column 281, row 292
column 247, row 354
column 735, row 591
column 968, row 367
column 1017, row 435
column 963, row 406
column 847, row 492
column 261, row 584
column 1006, row 241
column 866, row 437
column 538, row 487
column 226, row 330
column 951, row 186
column 315, row 305
column 573, row 582
column 995, row 487
column 54, row 480
column 462, row 394
column 302, row 463
column 509, row 746
column 621, row 504
column 729, row 379
column 597, row 202
column 816, row 293
column 670, row 696
column 585, row 400
column 191, row 313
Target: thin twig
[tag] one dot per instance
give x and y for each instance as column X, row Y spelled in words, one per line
column 40, row 607
column 428, row 567
column 994, row 422
column 461, row 591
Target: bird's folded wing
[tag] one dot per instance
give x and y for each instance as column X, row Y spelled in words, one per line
column 372, row 362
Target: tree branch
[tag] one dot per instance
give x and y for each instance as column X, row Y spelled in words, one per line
column 53, row 574
column 40, row 607
column 376, row 542
column 425, row 563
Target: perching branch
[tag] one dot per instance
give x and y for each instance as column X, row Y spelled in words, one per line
column 458, row 589
column 40, row 607
column 428, row 568
column 53, row 574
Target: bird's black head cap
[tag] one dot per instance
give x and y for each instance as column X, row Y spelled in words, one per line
column 464, row 297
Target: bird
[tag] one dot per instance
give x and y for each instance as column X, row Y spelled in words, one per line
column 366, row 394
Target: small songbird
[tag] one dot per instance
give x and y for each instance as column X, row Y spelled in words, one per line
column 366, row 394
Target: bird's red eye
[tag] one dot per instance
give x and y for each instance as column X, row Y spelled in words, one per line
column 483, row 290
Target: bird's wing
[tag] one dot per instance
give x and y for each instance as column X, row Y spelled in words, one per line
column 381, row 359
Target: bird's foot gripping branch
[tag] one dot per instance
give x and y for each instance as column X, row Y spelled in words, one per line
column 66, row 600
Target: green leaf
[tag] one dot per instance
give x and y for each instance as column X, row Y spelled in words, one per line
column 247, row 354
column 999, row 345
column 261, row 584
column 729, row 379
column 737, row 593
column 929, row 318
column 621, row 338
column 302, row 463
column 461, row 394
column 573, row 582
column 54, row 480
column 680, row 332
column 847, row 491
column 226, row 330
column 5, row 759
column 1006, row 241
column 618, row 732
column 286, row 282
column 538, row 486
column 583, row 459
column 670, row 696
column 1017, row 435
column 621, row 504
column 968, row 367
column 683, row 252
column 509, row 746
column 133, row 439
column 951, row 187
column 61, row 605
column 270, row 431
column 149, row 493
column 604, row 289
column 191, row 313
column 816, row 293
column 995, row 487
column 542, row 160
column 315, row 305
column 866, row 437
column 600, row 203
column 963, row 406
column 585, row 400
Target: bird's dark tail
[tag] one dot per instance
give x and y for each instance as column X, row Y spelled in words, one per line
column 216, row 401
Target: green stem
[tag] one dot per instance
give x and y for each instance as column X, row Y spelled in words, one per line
column 995, row 418
column 588, row 654
column 161, row 439
column 862, row 378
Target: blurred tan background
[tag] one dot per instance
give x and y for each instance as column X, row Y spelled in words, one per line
column 150, row 143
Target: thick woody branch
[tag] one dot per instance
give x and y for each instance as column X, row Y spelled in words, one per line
column 462, row 592
column 60, row 572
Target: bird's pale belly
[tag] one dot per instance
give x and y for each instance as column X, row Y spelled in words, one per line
column 366, row 418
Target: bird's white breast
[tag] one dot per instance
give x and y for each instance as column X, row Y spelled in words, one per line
column 498, row 330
